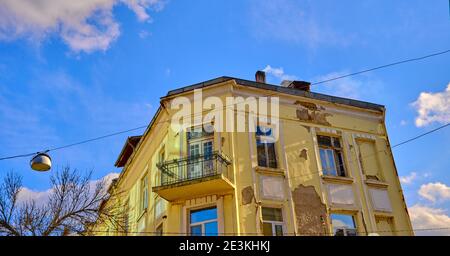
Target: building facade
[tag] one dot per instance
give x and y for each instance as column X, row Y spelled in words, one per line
column 329, row 171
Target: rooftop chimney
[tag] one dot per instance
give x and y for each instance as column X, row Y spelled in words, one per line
column 299, row 85
column 260, row 77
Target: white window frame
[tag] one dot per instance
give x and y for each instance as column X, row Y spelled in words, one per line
column 144, row 193
column 326, row 170
column 266, row 150
column 162, row 154
column 345, row 228
column 273, row 222
column 160, row 159
column 201, row 127
column 163, row 202
column 201, row 141
column 202, row 223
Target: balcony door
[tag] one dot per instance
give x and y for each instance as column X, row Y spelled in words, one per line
column 200, row 155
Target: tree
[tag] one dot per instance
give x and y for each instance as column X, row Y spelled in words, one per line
column 74, row 203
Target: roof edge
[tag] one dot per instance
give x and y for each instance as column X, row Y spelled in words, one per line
column 280, row 89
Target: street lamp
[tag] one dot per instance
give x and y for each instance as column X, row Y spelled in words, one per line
column 41, row 162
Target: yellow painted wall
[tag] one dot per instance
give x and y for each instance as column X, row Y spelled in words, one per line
column 297, row 139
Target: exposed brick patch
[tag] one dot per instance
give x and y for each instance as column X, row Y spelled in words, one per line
column 310, row 212
column 247, row 195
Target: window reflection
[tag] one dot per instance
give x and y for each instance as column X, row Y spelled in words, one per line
column 343, row 225
column 204, row 222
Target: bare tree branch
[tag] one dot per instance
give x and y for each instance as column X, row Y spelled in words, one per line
column 74, row 203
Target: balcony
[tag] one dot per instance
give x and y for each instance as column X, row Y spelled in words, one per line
column 194, row 176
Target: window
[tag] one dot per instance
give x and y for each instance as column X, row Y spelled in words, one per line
column 272, row 221
column 160, row 207
column 200, row 151
column 200, row 131
column 385, row 225
column 368, row 157
column 203, row 222
column 159, row 230
column 331, row 156
column 144, row 193
column 160, row 178
column 343, row 225
column 265, row 145
column 162, row 155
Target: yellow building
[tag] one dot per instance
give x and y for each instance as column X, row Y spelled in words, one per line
column 330, row 171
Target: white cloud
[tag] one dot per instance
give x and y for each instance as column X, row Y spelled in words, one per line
column 429, row 221
column 41, row 197
column 433, row 107
column 435, row 192
column 140, row 7
column 84, row 25
column 278, row 73
column 409, row 178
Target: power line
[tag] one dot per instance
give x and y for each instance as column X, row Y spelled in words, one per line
column 77, row 143
column 379, row 151
column 421, row 135
column 225, row 106
column 17, row 156
column 383, row 66
column 141, row 127
column 98, row 138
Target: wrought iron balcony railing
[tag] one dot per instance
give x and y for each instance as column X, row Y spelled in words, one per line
column 194, row 168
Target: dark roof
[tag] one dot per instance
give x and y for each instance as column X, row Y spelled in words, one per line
column 280, row 89
column 127, row 150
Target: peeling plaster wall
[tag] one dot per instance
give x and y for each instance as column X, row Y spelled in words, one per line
column 301, row 118
column 299, row 149
column 304, row 154
column 310, row 112
column 310, row 212
column 303, row 160
column 243, row 161
column 247, row 195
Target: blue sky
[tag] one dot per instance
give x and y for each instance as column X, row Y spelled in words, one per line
column 70, row 72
